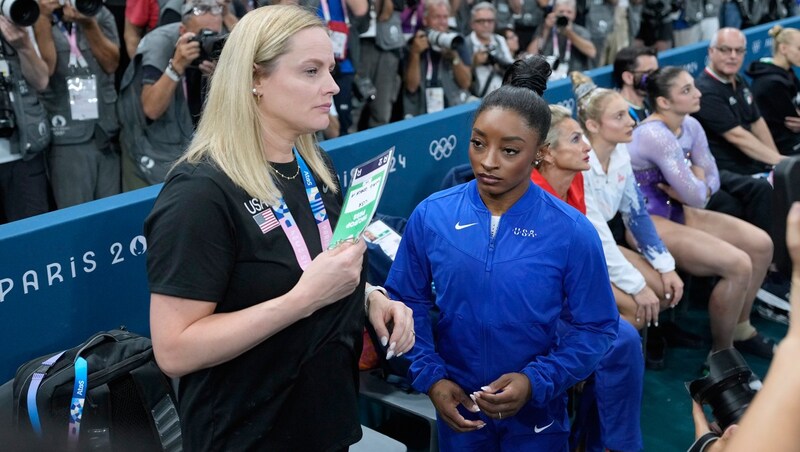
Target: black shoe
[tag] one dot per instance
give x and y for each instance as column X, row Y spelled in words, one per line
column 757, row 345
column 656, row 351
column 677, row 337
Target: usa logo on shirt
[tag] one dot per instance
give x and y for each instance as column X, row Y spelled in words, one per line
column 266, row 220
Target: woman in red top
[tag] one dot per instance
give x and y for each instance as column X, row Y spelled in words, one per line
column 558, row 169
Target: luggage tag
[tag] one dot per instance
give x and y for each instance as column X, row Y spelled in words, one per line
column 560, row 71
column 434, row 99
column 81, row 84
column 83, row 97
column 339, row 32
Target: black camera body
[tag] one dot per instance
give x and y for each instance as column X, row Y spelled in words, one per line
column 495, row 56
column 562, row 21
column 86, row 7
column 726, row 388
column 8, row 120
column 211, row 44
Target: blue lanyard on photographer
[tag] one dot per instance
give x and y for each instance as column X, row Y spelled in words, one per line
column 81, row 84
column 78, row 400
column 289, row 226
column 339, row 30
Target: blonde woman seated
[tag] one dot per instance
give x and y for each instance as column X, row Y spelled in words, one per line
column 643, row 282
column 678, row 174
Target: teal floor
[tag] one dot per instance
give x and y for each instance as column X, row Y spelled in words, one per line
column 667, row 409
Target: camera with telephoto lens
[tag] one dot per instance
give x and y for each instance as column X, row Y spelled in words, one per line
column 22, row 12
column 562, row 21
column 726, row 388
column 211, row 44
column 8, row 120
column 86, row 7
column 445, row 39
column 495, row 56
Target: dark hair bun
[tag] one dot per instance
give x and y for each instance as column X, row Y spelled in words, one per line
column 531, row 73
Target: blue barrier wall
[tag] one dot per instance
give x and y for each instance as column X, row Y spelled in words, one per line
column 67, row 274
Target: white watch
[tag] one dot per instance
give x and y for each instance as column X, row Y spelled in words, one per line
column 172, row 73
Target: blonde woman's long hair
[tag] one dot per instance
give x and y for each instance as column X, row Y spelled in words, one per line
column 230, row 131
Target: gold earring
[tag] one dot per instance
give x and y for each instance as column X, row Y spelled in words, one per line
column 256, row 93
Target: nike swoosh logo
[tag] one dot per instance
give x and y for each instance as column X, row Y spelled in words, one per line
column 538, row 429
column 460, row 226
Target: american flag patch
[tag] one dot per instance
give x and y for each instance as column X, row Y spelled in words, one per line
column 266, row 220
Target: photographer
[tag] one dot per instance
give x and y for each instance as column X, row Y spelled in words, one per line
column 435, row 77
column 567, row 45
column 24, row 132
column 162, row 93
column 490, row 54
column 82, row 54
column 770, row 421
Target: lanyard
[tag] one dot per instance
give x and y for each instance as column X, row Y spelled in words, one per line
column 78, row 399
column 429, row 74
column 634, row 115
column 289, row 226
column 557, row 52
column 326, row 12
column 75, row 56
column 33, row 390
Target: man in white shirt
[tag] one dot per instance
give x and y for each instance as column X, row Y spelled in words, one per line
column 490, row 54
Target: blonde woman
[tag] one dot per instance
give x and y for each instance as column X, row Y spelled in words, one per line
column 259, row 320
column 644, row 282
column 776, row 89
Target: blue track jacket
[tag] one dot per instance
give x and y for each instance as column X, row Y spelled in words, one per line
column 536, row 299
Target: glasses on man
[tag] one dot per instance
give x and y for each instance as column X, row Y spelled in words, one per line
column 200, row 9
column 725, row 50
column 484, row 21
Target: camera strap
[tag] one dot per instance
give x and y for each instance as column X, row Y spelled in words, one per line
column 557, row 51
column 289, row 226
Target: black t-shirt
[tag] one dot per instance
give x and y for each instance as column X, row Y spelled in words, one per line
column 722, row 108
column 296, row 390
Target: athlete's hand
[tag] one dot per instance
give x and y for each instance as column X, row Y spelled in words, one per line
column 673, row 288
column 505, row 396
column 446, row 396
column 647, row 306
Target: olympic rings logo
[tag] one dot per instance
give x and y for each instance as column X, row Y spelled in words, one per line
column 443, row 147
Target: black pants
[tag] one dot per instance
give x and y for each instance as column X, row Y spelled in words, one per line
column 744, row 197
column 23, row 189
